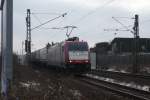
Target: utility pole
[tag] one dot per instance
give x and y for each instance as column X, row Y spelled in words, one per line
column 136, row 45
column 135, row 31
column 7, row 46
column 28, row 34
column 29, row 29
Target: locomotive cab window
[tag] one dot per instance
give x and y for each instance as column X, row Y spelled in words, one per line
column 78, row 47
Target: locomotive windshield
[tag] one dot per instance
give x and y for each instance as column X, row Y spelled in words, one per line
column 78, row 46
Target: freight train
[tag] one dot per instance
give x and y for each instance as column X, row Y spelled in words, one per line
column 69, row 54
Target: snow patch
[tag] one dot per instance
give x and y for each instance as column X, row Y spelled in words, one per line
column 30, row 85
column 76, row 94
column 146, row 69
column 111, row 69
column 123, row 71
column 26, row 85
column 146, row 88
column 131, row 84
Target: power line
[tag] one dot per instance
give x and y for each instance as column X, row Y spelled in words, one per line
column 34, row 15
column 46, row 28
column 123, row 25
column 124, row 17
column 93, row 11
column 48, row 13
column 49, row 21
column 69, row 29
column 56, row 28
column 116, row 30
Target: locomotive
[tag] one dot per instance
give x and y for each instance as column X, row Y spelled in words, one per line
column 69, row 54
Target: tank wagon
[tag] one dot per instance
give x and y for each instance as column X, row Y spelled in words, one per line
column 69, row 54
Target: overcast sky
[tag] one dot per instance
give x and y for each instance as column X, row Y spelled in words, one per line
column 90, row 16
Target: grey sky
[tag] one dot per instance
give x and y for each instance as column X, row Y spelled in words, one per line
column 90, row 16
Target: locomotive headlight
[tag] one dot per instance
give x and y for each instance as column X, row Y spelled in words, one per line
column 70, row 61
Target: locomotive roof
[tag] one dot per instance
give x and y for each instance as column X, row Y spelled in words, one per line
column 74, row 41
column 61, row 43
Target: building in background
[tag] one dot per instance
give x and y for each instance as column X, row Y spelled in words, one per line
column 118, row 54
column 126, row 45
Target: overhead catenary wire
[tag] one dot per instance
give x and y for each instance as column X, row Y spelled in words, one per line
column 48, row 21
column 45, row 28
column 34, row 15
column 55, row 28
column 93, row 11
column 124, row 17
column 116, row 30
column 122, row 25
column 46, row 13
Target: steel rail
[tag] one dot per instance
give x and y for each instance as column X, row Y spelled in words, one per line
column 117, row 88
column 139, row 78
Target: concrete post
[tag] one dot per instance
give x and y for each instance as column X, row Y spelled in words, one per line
column 7, row 45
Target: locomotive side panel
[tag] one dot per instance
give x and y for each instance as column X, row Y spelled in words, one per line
column 63, row 56
column 43, row 55
column 51, row 56
column 54, row 55
column 37, row 55
column 57, row 55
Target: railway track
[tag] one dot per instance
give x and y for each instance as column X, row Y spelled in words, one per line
column 129, row 77
column 131, row 93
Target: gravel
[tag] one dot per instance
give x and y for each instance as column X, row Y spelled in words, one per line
column 40, row 83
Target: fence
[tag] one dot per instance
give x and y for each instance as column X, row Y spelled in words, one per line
column 121, row 61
